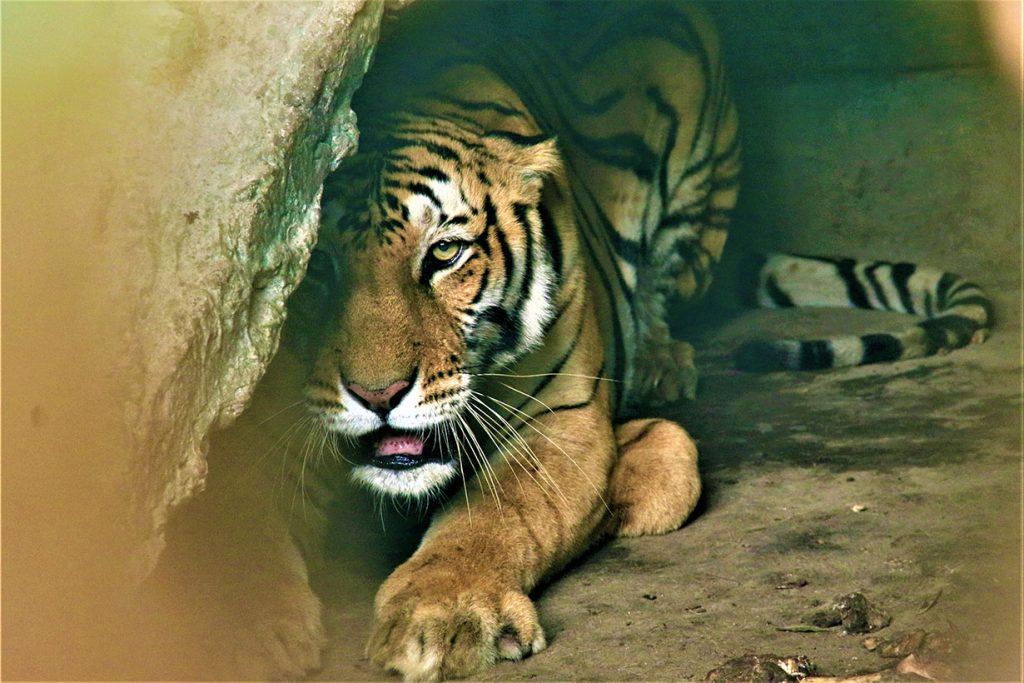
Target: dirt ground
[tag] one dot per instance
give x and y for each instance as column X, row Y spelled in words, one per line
column 871, row 149
column 930, row 448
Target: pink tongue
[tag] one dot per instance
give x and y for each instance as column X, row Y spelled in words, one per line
column 399, row 445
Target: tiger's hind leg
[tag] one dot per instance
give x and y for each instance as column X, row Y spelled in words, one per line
column 655, row 484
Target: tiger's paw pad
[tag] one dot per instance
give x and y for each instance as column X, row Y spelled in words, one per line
column 450, row 638
column 666, row 372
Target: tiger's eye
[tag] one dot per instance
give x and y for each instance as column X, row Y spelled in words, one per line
column 446, row 252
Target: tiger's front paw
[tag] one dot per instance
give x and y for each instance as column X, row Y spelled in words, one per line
column 666, row 372
column 428, row 630
column 282, row 637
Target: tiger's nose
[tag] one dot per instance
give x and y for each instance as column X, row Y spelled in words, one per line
column 380, row 400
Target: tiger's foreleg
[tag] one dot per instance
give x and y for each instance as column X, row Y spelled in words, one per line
column 686, row 248
column 655, row 484
column 232, row 592
column 460, row 603
column 666, row 370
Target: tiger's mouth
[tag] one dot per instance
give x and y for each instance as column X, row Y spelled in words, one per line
column 396, row 449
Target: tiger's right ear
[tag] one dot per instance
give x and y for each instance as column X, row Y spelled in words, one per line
column 535, row 156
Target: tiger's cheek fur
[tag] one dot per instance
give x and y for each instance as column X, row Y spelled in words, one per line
column 389, row 326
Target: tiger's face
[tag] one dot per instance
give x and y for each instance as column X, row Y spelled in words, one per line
column 437, row 276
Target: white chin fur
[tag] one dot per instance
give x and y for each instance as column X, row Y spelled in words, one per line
column 413, row 483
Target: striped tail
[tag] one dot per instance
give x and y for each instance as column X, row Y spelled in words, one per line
column 957, row 312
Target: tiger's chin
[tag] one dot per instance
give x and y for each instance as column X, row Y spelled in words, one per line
column 403, row 464
column 415, row 482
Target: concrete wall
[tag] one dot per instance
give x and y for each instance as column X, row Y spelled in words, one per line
column 876, row 129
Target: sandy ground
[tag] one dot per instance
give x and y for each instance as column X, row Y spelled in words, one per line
column 930, row 448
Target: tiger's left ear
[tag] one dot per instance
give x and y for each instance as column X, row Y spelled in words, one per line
column 536, row 157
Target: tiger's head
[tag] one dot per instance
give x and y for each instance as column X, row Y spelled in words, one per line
column 433, row 268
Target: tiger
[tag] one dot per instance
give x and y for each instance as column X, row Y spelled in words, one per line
column 492, row 275
column 497, row 265
column 484, row 326
column 956, row 311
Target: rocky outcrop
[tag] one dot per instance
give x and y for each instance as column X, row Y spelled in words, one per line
column 244, row 110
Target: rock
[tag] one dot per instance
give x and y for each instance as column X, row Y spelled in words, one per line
column 162, row 165
column 914, row 642
column 762, row 669
column 214, row 209
column 854, row 613
column 926, row 667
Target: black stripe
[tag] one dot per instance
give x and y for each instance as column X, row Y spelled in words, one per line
column 929, row 310
column 390, row 224
column 432, row 172
column 484, row 281
column 626, row 249
column 561, row 310
column 413, row 136
column 976, row 300
column 598, row 106
column 876, row 286
column 901, row 274
column 497, row 315
column 613, row 308
column 881, row 348
column 963, row 330
column 959, row 287
column 506, row 256
column 942, row 290
column 552, row 240
column 651, row 22
column 424, row 190
column 627, row 151
column 820, row 259
column 590, row 399
column 639, row 437
column 482, row 241
column 707, row 215
column 520, row 211
column 616, row 323
column 552, row 373
column 490, row 214
column 482, row 106
column 816, row 355
column 409, row 138
column 854, row 289
column 780, row 298
column 663, row 108
column 727, row 182
column 444, row 151
column 518, row 139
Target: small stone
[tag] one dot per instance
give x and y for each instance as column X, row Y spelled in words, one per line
column 853, row 612
column 789, row 582
column 858, row 507
column 762, row 669
column 650, row 596
column 932, row 669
